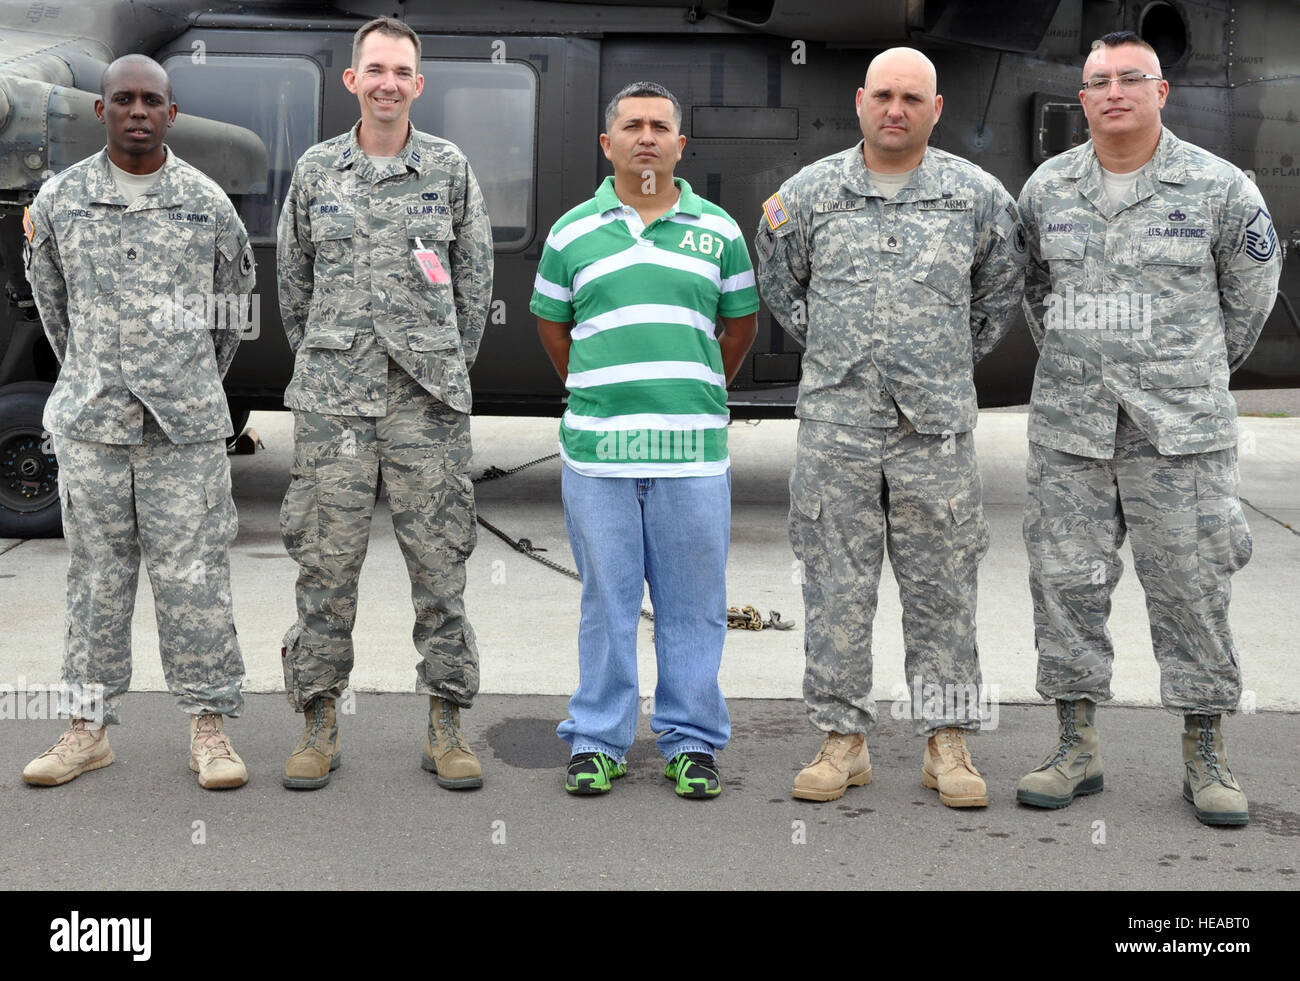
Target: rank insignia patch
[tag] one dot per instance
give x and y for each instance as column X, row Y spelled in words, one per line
column 1261, row 239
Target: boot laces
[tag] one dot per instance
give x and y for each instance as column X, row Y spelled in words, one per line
column 447, row 725
column 1069, row 736
column 950, row 741
column 316, row 736
column 209, row 738
column 835, row 747
column 1205, row 749
column 74, row 740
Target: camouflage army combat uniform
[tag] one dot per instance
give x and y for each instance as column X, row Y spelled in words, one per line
column 140, row 419
column 381, row 386
column 1140, row 312
column 895, row 300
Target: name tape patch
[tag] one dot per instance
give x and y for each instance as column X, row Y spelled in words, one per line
column 846, row 204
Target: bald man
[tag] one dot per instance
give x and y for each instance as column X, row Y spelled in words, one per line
column 130, row 253
column 1152, row 268
column 897, row 266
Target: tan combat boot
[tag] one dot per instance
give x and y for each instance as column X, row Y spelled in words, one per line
column 446, row 754
column 317, row 754
column 211, row 755
column 79, row 749
column 1207, row 781
column 842, row 762
column 1073, row 768
column 947, row 768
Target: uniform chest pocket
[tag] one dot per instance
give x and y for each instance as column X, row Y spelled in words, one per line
column 434, row 233
column 1064, row 255
column 838, row 254
column 332, row 236
column 194, row 245
column 943, row 261
column 1181, row 268
column 1159, row 254
column 88, row 249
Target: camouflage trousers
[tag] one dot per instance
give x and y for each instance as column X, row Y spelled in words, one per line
column 421, row 449
column 855, row 492
column 1189, row 536
column 170, row 503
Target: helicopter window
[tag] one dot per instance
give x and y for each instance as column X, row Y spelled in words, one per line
column 1059, row 125
column 489, row 110
column 278, row 98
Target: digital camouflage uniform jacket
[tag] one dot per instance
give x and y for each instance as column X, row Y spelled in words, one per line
column 141, row 304
column 351, row 292
column 894, row 300
column 1147, row 306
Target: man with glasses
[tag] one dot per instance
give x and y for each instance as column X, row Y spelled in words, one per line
column 1152, row 267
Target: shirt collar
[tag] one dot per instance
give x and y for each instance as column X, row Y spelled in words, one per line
column 925, row 184
column 688, row 202
column 351, row 155
column 167, row 192
column 1168, row 164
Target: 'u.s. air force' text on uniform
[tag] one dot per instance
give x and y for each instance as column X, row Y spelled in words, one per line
column 381, row 380
column 1140, row 310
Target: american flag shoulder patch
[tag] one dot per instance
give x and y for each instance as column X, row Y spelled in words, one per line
column 775, row 212
column 29, row 227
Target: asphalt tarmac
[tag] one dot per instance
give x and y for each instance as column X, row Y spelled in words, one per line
column 383, row 823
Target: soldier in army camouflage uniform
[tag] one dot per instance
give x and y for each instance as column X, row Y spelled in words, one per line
column 385, row 261
column 1153, row 266
column 897, row 265
column 142, row 273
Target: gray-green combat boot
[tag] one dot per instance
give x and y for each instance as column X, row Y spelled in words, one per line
column 1207, row 781
column 1074, row 767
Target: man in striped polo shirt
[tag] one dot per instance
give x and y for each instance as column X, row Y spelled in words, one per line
column 628, row 290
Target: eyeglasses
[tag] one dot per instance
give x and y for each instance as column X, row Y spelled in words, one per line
column 1131, row 80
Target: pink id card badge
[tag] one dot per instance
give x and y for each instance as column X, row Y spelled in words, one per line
column 430, row 264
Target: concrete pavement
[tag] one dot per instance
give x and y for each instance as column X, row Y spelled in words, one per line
column 526, row 616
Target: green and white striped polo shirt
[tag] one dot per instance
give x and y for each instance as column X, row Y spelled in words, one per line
column 647, row 395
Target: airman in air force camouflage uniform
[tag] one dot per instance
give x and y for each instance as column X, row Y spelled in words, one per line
column 897, row 280
column 385, row 261
column 1153, row 266
column 142, row 273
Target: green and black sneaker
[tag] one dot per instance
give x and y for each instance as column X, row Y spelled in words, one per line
column 696, row 775
column 592, row 773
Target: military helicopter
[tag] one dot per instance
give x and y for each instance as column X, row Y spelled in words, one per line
column 767, row 87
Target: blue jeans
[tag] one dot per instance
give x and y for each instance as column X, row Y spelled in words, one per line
column 672, row 532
